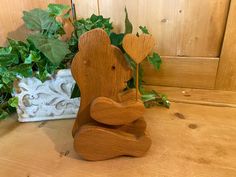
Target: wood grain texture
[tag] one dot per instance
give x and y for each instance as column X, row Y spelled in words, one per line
column 11, row 23
column 114, row 143
column 128, row 95
column 195, row 72
column 181, row 28
column 85, row 8
column 226, row 76
column 100, row 70
column 138, row 47
column 207, row 149
column 110, row 112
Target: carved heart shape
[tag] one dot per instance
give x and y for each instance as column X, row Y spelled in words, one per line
column 138, row 47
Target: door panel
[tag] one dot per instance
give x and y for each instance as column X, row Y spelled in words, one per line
column 181, row 27
column 189, row 35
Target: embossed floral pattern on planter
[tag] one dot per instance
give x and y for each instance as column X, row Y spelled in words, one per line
column 47, row 101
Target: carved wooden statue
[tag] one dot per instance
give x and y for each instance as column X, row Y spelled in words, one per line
column 109, row 122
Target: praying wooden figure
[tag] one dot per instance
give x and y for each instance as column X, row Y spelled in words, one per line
column 110, row 119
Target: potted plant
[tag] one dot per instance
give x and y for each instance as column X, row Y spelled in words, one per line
column 34, row 75
column 35, row 71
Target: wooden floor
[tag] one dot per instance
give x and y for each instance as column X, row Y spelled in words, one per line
column 188, row 141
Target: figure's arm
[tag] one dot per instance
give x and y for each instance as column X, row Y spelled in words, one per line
column 110, row 112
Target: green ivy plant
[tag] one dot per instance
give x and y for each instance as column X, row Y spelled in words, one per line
column 40, row 55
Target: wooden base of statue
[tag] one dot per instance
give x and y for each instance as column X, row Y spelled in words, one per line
column 110, row 120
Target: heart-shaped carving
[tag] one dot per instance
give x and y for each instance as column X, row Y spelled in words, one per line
column 138, row 47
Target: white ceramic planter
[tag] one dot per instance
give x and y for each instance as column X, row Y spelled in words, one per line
column 47, row 101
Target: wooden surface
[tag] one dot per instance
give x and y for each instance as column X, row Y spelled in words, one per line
column 100, row 70
column 188, row 140
column 226, row 77
column 100, row 143
column 181, row 28
column 196, row 72
column 110, row 112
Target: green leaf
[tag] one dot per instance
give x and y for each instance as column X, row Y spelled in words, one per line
column 20, row 48
column 42, row 73
column 155, row 60
column 54, row 49
column 84, row 25
column 144, row 29
column 116, row 39
column 37, row 19
column 5, row 50
column 57, row 9
column 28, row 60
column 153, row 98
column 75, row 92
column 33, row 57
column 8, row 77
column 3, row 114
column 40, row 20
column 128, row 25
column 7, row 57
column 3, row 70
column 24, row 70
column 13, row 102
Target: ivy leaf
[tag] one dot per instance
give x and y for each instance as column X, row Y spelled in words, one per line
column 3, row 114
column 155, row 60
column 144, row 29
column 13, row 102
column 8, row 77
column 54, row 49
column 75, row 92
column 37, row 19
column 33, row 57
column 19, row 48
column 40, row 20
column 153, row 98
column 7, row 57
column 24, row 70
column 128, row 24
column 116, row 39
column 57, row 9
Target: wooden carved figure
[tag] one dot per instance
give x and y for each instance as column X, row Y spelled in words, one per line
column 110, row 120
